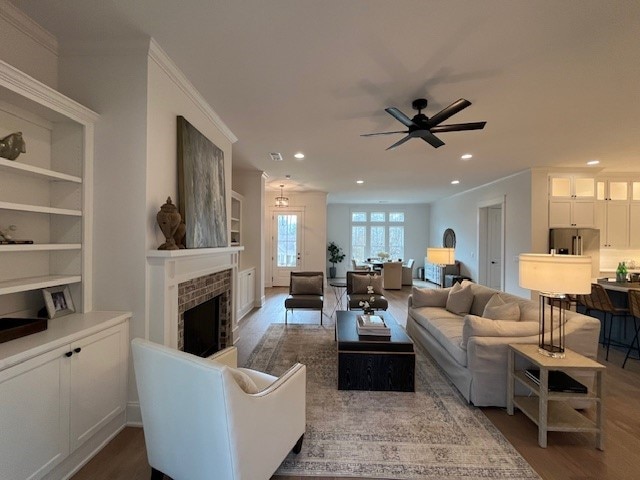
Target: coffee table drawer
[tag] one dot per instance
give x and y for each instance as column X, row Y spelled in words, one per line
column 376, row 371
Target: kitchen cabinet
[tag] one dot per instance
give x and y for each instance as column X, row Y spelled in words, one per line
column 246, row 292
column 613, row 222
column 572, row 213
column 58, row 388
column 572, row 186
column 634, row 225
column 236, row 218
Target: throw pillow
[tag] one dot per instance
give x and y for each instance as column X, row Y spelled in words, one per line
column 429, row 297
column 306, row 285
column 244, row 381
column 376, row 283
column 359, row 283
column 497, row 309
column 475, row 326
column 459, row 300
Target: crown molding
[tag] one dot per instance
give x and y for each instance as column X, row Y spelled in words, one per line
column 175, row 74
column 16, row 17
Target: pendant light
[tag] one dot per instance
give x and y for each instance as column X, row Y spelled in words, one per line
column 282, row 201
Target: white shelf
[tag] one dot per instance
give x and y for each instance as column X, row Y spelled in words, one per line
column 23, row 207
column 29, row 170
column 40, row 247
column 233, row 219
column 560, row 416
column 36, row 283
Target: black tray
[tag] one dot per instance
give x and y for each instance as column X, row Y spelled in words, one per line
column 12, row 328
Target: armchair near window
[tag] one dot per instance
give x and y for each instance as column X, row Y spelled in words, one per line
column 306, row 291
column 205, row 419
column 407, row 272
column 357, row 283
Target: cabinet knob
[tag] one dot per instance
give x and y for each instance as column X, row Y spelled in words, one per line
column 77, row 350
column 68, row 354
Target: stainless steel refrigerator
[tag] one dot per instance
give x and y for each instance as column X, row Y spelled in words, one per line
column 577, row 241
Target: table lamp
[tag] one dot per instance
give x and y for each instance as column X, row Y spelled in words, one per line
column 554, row 276
column 441, row 256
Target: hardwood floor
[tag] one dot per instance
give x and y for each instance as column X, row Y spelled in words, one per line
column 568, row 455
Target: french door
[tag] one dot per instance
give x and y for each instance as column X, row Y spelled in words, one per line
column 286, row 229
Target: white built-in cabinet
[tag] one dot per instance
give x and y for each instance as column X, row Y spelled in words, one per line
column 45, row 192
column 55, row 395
column 236, row 219
column 617, row 212
column 572, row 201
column 246, row 291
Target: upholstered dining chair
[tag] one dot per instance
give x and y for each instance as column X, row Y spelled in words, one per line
column 407, row 272
column 392, row 276
column 206, row 419
column 306, row 291
column 356, row 267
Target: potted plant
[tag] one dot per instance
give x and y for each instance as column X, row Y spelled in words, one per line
column 335, row 256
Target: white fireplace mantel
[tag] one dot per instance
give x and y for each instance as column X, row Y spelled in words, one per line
column 166, row 269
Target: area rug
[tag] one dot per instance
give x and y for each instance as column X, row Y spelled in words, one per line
column 430, row 434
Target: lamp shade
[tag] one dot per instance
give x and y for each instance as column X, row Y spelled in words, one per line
column 556, row 273
column 441, row 256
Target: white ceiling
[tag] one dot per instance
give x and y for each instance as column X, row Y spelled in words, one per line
column 558, row 82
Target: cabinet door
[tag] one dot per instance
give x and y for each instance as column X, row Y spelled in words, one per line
column 584, row 187
column 98, row 381
column 560, row 213
column 601, row 222
column 34, row 416
column 618, row 225
column 583, row 214
column 560, row 187
column 634, row 225
column 251, row 289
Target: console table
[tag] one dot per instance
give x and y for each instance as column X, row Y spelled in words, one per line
column 550, row 410
column 436, row 273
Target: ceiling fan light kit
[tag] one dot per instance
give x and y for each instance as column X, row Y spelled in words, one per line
column 421, row 126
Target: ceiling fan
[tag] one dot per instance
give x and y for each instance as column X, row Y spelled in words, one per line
column 421, row 126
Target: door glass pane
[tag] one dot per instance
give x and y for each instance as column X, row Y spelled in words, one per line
column 377, row 241
column 358, row 243
column 287, row 241
column 560, row 187
column 636, row 191
column 584, row 187
column 618, row 190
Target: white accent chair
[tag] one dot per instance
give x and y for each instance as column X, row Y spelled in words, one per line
column 356, row 267
column 407, row 272
column 199, row 424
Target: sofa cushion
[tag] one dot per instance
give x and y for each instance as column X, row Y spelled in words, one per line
column 429, row 297
column 311, row 285
column 445, row 327
column 304, row 301
column 460, row 299
column 498, row 309
column 474, row 326
column 244, row 381
column 359, row 284
column 481, row 295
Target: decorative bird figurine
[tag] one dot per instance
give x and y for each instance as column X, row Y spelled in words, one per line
column 12, row 146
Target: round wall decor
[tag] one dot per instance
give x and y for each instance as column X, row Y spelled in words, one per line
column 449, row 238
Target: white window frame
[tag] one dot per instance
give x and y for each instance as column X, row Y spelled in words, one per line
column 368, row 224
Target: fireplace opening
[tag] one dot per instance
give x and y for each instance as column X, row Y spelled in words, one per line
column 201, row 328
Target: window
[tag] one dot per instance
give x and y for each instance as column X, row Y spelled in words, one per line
column 374, row 232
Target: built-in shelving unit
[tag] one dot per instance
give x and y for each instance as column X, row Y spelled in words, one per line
column 236, row 219
column 45, row 193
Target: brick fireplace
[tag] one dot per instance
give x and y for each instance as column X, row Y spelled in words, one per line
column 182, row 279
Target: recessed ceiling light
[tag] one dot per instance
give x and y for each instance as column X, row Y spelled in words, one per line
column 299, row 155
column 455, row 182
column 466, row 156
column 593, row 162
column 359, row 181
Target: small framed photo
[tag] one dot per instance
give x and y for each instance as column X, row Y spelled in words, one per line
column 58, row 301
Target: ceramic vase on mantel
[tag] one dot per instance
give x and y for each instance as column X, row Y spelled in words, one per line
column 168, row 219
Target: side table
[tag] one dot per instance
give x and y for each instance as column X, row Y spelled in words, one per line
column 550, row 411
column 339, row 286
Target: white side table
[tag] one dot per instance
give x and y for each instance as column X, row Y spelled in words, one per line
column 550, row 410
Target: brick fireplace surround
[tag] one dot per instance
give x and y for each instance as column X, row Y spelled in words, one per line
column 181, row 279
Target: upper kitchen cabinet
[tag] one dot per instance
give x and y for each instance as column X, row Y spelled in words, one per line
column 572, row 186
column 572, row 201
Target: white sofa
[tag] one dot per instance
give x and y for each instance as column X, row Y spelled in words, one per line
column 473, row 351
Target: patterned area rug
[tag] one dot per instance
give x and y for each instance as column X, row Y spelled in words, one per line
column 430, row 434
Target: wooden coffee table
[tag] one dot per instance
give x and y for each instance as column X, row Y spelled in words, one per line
column 374, row 363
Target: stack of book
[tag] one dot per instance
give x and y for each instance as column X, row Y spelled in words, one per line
column 372, row 325
column 558, row 381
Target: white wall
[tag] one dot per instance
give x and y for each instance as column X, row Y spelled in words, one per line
column 415, row 236
column 314, row 233
column 460, row 212
column 27, row 46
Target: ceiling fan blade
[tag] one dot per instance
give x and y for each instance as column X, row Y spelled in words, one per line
column 456, row 127
column 401, row 117
column 400, row 142
column 428, row 137
column 381, row 133
column 446, row 112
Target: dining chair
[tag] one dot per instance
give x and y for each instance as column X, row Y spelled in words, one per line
column 634, row 310
column 602, row 303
